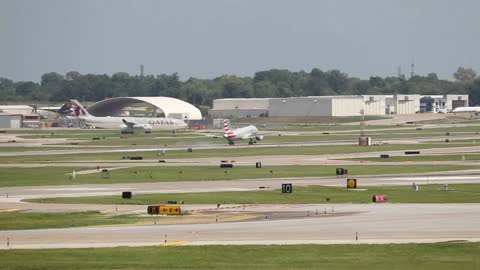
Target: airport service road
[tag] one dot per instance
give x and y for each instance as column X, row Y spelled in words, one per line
column 374, row 223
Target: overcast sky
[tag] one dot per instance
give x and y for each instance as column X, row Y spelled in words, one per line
column 207, row 38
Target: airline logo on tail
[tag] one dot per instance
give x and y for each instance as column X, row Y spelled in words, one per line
column 228, row 133
column 80, row 111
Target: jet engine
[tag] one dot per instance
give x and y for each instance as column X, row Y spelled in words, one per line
column 143, row 126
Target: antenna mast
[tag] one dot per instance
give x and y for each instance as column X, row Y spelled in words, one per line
column 413, row 69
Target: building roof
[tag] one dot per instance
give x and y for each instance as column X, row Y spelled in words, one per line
column 170, row 106
column 16, row 107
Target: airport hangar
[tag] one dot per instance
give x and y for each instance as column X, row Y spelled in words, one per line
column 169, row 107
column 332, row 105
column 18, row 116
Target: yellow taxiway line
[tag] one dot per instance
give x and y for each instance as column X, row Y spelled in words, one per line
column 174, row 243
column 9, row 210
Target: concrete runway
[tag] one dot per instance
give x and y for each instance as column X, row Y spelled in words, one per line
column 372, row 223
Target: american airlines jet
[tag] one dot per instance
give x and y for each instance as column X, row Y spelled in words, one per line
column 244, row 133
column 127, row 123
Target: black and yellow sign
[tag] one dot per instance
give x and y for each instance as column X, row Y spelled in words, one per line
column 163, row 210
column 153, row 209
column 351, row 183
column 169, row 210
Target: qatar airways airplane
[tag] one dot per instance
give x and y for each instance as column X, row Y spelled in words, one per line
column 127, row 123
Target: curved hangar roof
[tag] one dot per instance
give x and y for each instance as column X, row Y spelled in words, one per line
column 172, row 107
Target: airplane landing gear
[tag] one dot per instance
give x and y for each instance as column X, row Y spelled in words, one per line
column 231, row 143
column 250, row 142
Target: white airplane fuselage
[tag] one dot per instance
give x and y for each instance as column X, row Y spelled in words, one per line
column 243, row 133
column 111, row 122
column 466, row 109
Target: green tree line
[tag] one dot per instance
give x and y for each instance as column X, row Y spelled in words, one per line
column 55, row 87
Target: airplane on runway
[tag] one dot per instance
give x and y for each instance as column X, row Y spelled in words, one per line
column 127, row 124
column 244, row 133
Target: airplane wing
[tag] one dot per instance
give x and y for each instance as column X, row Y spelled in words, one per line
column 255, row 136
column 248, row 136
column 210, row 135
column 50, row 110
column 63, row 110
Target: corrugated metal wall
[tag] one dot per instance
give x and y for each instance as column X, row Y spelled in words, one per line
column 348, row 106
column 453, row 101
column 374, row 105
column 407, row 104
column 241, row 103
column 10, row 121
column 301, row 106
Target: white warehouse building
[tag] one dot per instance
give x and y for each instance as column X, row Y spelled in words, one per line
column 316, row 106
column 324, row 105
column 240, row 107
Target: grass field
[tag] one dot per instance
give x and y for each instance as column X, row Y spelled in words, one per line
column 457, row 157
column 317, row 127
column 461, row 193
column 39, row 148
column 28, row 221
column 470, row 141
column 11, row 177
column 392, row 256
column 227, row 153
column 56, row 176
column 88, row 133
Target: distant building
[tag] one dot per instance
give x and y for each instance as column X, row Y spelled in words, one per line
column 436, row 103
column 17, row 109
column 316, row 106
column 240, row 107
column 18, row 116
column 327, row 105
column 8, row 120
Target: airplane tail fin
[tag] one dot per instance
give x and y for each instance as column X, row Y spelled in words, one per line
column 65, row 109
column 226, row 128
column 80, row 110
column 225, row 125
